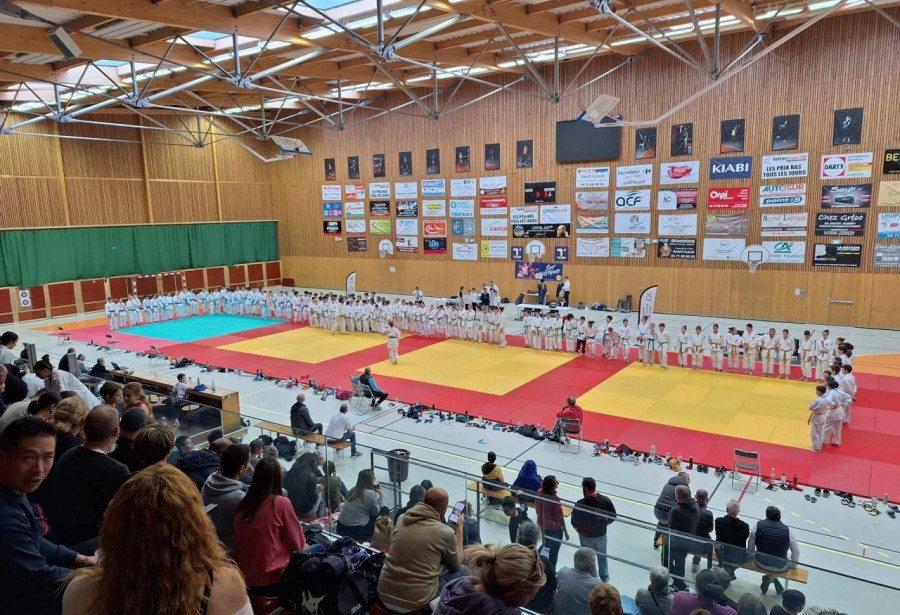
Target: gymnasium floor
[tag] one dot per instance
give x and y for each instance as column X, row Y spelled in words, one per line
column 702, row 415
column 837, row 544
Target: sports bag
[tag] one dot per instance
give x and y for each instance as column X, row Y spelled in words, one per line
column 310, row 583
column 287, row 449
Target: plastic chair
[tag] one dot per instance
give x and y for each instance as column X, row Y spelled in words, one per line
column 624, row 305
column 568, row 429
column 746, row 462
column 111, row 342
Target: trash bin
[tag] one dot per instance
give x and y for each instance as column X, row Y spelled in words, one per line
column 398, row 469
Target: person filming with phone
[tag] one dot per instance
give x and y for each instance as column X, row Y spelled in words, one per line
column 425, row 553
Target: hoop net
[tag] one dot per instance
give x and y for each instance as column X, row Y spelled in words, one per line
column 753, row 265
column 755, row 255
column 531, row 256
column 381, row 253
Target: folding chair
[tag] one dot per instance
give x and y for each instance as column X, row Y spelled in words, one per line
column 62, row 335
column 111, row 342
column 746, row 462
column 569, row 428
column 154, row 355
column 358, row 393
column 624, row 305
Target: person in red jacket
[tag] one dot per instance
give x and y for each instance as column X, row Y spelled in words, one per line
column 570, row 411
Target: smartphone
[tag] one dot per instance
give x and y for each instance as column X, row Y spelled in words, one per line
column 458, row 508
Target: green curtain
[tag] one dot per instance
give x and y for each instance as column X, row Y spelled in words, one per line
column 33, row 257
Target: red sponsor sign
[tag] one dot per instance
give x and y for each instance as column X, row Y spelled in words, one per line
column 728, row 198
column 435, row 228
column 494, row 203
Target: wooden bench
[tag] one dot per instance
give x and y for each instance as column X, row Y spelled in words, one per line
column 312, row 438
column 478, row 488
column 800, row 575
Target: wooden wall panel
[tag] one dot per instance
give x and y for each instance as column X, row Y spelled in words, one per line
column 30, row 202
column 38, row 305
column 27, row 156
column 106, row 201
column 237, row 165
column 6, row 311
column 255, row 275
column 246, row 201
column 96, row 158
column 170, row 156
column 120, row 288
column 237, row 276
column 183, row 201
column 194, row 279
column 61, row 294
column 789, row 81
column 93, row 294
column 215, row 277
column 273, row 273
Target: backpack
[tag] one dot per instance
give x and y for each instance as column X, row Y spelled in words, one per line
column 287, row 449
column 310, row 583
column 341, row 394
column 266, row 440
column 313, row 535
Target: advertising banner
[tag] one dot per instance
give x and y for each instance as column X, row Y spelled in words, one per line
column 406, row 190
column 841, row 255
column 592, row 248
column 380, row 227
column 731, row 168
column 355, row 192
column 407, row 244
column 434, row 228
column 782, row 195
column 380, row 209
column 627, row 247
column 592, row 177
column 462, row 187
column 785, row 225
column 632, row 200
column 723, row 249
column 462, row 208
column 357, row 244
column 355, row 209
column 524, row 215
column 331, row 192
column 462, row 227
column 357, row 227
column 332, row 210
column 592, row 201
column 591, row 224
column 434, row 245
column 434, row 208
column 728, row 198
column 494, row 248
column 541, row 231
column 889, row 226
column 889, row 194
column 556, row 214
column 684, row 198
column 838, row 166
column 678, row 225
column 687, row 172
column 492, row 185
column 407, row 227
column 727, row 224
column 853, row 196
column 647, row 302
column 407, row 209
column 380, row 190
column 434, row 187
column 465, row 252
column 786, row 252
column 331, row 227
column 841, row 225
column 887, row 254
column 632, row 223
column 493, row 206
column 677, row 248
column 785, row 166
column 549, row 272
column 891, row 162
column 494, row 227
column 636, row 175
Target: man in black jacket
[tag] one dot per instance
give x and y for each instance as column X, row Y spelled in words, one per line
column 518, row 514
column 704, row 529
column 131, row 423
column 301, row 421
column 592, row 515
column 732, row 534
column 665, row 502
column 683, row 519
column 85, row 480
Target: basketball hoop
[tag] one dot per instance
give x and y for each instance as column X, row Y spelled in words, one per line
column 755, row 255
column 385, row 247
column 531, row 256
column 381, row 253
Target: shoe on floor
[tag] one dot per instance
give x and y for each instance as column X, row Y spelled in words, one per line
column 356, row 454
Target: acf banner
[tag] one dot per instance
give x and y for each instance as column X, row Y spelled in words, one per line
column 648, row 301
column 351, row 283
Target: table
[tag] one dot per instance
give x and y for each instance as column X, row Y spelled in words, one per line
column 225, row 400
column 520, row 307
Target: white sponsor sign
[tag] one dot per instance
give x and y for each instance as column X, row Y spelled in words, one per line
column 782, row 195
column 492, row 185
column 846, row 165
column 677, row 225
column 380, row 190
column 355, row 226
column 715, row 249
column 434, row 187
column 462, row 208
column 786, row 252
column 331, row 192
column 592, row 177
column 785, row 225
column 462, row 187
column 592, row 200
column 632, row 200
column 524, row 215
column 406, row 226
column 465, row 252
column 687, row 172
column 494, row 227
column 406, row 190
column 434, row 208
column 494, row 248
column 355, row 191
column 592, row 248
column 632, row 223
column 556, row 214
column 637, row 175
column 782, row 166
column 354, row 209
column 407, row 244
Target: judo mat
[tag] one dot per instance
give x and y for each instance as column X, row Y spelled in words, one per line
column 701, row 414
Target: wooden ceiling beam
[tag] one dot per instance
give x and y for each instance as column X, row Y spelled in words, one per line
column 551, row 5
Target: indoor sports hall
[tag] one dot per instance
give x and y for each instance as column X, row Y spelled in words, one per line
column 655, row 244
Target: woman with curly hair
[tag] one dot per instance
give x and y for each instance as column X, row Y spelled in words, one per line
column 68, row 420
column 160, row 556
column 504, row 579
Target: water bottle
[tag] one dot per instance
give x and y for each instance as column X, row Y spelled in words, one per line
column 783, row 478
column 653, row 450
column 885, row 499
column 772, row 477
column 213, row 386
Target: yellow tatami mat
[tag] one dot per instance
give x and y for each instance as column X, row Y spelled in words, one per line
column 881, row 364
column 761, row 409
column 308, row 345
column 476, row 367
